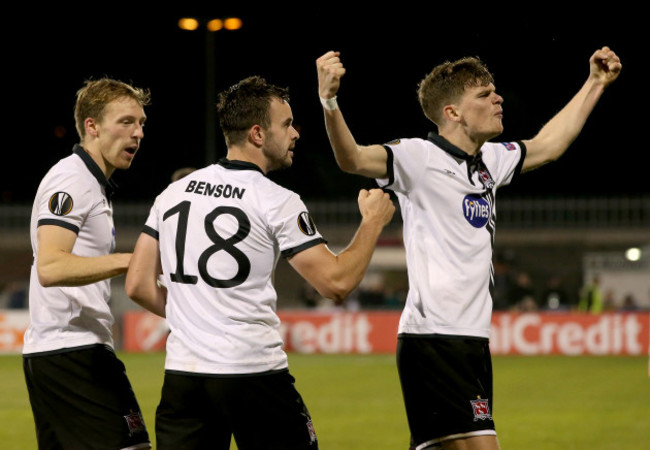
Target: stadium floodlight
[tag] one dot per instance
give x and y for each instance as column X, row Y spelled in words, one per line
column 633, row 254
column 210, row 27
column 188, row 23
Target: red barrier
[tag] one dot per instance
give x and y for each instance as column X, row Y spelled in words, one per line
column 340, row 332
column 12, row 329
column 143, row 331
column 375, row 332
column 570, row 334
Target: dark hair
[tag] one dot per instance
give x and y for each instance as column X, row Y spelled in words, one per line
column 246, row 104
column 447, row 82
column 93, row 97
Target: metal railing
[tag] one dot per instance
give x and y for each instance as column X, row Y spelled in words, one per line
column 575, row 212
column 517, row 212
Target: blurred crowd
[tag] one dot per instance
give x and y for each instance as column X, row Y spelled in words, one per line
column 514, row 290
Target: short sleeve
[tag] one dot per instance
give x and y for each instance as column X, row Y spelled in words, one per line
column 64, row 201
column 406, row 164
column 152, row 224
column 293, row 226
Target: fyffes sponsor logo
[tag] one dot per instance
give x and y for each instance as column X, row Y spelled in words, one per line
column 476, row 210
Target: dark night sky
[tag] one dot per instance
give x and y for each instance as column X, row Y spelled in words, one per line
column 539, row 58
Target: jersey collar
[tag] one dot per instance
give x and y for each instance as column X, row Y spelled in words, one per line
column 474, row 162
column 449, row 147
column 109, row 185
column 239, row 165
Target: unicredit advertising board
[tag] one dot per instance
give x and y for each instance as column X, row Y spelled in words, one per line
column 376, row 331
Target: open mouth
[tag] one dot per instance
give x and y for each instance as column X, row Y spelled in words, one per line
column 131, row 150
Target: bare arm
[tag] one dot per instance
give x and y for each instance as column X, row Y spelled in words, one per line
column 57, row 266
column 557, row 135
column 369, row 161
column 335, row 276
column 142, row 277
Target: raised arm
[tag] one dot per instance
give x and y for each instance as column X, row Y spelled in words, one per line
column 335, row 276
column 369, row 161
column 142, row 277
column 558, row 134
column 56, row 265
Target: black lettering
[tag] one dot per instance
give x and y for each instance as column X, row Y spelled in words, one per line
column 219, row 190
column 239, row 193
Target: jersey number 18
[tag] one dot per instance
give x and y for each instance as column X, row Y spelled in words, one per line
column 219, row 244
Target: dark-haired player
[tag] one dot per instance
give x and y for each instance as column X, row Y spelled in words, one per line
column 216, row 236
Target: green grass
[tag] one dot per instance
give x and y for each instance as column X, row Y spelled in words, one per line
column 545, row 403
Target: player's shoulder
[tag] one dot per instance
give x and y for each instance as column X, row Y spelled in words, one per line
column 414, row 151
column 501, row 146
column 67, row 172
column 406, row 142
column 68, row 165
column 274, row 192
column 502, row 151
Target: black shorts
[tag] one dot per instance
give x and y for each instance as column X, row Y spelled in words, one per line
column 447, row 387
column 82, row 399
column 261, row 411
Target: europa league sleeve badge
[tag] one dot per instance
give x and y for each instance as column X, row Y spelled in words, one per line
column 60, row 204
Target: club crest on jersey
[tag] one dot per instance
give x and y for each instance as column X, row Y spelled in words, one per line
column 135, row 422
column 486, row 178
column 481, row 409
column 60, row 204
column 476, row 210
column 306, row 224
column 509, row 145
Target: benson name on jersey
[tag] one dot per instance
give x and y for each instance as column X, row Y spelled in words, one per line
column 219, row 190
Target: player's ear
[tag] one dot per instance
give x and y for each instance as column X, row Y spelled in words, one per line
column 256, row 135
column 90, row 124
column 451, row 113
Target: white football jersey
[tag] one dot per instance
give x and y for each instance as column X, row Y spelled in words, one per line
column 447, row 201
column 221, row 230
column 74, row 194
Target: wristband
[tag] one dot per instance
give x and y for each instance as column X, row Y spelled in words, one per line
column 329, row 104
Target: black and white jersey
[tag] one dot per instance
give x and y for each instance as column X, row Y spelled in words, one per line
column 221, row 231
column 447, row 201
column 74, row 194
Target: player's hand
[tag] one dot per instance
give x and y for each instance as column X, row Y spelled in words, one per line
column 330, row 70
column 605, row 66
column 376, row 204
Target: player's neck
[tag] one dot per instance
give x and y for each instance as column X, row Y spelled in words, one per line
column 106, row 168
column 464, row 142
column 254, row 156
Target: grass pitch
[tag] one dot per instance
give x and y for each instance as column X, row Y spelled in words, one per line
column 542, row 403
